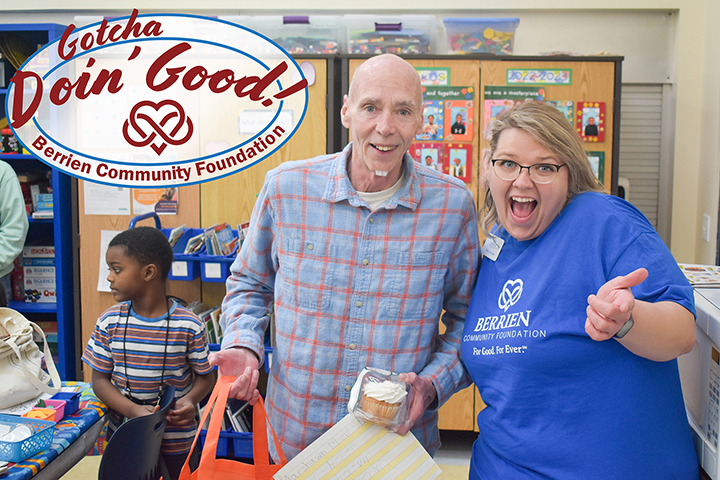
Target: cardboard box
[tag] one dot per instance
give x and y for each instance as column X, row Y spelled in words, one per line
column 35, row 251
column 40, row 290
column 38, row 262
column 39, row 272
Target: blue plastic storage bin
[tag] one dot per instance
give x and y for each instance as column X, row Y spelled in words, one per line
column 184, row 266
column 216, row 268
column 72, row 401
column 232, row 444
column 215, row 347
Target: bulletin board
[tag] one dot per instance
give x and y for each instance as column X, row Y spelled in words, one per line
column 587, row 81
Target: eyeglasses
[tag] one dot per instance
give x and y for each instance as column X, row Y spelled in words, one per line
column 539, row 173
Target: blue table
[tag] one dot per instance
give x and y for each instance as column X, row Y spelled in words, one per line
column 74, row 437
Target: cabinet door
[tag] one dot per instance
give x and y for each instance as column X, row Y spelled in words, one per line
column 458, row 413
column 231, row 199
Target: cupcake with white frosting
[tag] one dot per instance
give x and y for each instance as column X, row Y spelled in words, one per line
column 383, row 400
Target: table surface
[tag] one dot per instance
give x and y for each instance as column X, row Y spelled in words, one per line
column 67, row 431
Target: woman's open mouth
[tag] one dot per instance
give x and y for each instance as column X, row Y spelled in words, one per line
column 522, row 207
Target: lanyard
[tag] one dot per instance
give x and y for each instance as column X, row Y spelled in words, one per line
column 167, row 336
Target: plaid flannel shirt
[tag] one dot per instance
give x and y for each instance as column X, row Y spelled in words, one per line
column 352, row 288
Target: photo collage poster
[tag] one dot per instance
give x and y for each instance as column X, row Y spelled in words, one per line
column 448, row 119
column 499, row 98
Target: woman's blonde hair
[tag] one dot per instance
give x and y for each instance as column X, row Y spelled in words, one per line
column 549, row 127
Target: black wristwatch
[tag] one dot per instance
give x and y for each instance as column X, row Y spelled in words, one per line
column 625, row 328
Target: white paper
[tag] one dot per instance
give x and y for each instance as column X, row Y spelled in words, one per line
column 106, row 200
column 105, row 237
column 363, row 451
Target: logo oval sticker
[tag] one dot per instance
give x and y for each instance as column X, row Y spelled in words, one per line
column 156, row 100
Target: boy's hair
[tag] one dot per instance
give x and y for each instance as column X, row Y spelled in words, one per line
column 146, row 245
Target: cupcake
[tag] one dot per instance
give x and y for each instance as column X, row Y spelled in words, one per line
column 383, row 400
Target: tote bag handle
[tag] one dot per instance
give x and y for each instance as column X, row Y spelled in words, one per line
column 212, row 468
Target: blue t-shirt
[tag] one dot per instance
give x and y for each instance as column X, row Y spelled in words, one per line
column 559, row 404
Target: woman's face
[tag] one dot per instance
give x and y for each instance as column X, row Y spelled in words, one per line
column 525, row 209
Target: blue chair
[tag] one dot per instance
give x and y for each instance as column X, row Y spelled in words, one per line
column 133, row 452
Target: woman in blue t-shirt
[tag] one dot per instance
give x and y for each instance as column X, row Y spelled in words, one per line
column 577, row 319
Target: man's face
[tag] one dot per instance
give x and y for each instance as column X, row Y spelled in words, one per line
column 384, row 113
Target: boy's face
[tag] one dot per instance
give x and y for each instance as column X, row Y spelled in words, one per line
column 126, row 274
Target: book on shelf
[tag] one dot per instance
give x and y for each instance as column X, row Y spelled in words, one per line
column 212, row 328
column 220, row 239
column 701, row 275
column 194, row 244
column 242, row 231
column 175, row 235
column 27, row 180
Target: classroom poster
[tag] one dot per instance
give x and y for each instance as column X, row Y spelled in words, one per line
column 430, row 154
column 458, row 110
column 499, row 98
column 432, row 128
column 459, row 161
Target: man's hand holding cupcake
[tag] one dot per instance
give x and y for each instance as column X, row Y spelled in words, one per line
column 423, row 396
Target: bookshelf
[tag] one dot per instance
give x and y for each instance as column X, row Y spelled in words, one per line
column 60, row 230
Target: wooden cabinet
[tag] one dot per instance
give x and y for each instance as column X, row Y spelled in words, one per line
column 595, row 79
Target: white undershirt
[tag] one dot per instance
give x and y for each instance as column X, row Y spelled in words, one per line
column 375, row 199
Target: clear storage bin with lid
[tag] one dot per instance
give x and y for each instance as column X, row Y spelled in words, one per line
column 299, row 34
column 399, row 34
column 481, row 35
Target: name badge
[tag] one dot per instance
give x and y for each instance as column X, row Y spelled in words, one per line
column 492, row 246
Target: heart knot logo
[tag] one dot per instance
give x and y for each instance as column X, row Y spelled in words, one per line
column 163, row 119
column 510, row 294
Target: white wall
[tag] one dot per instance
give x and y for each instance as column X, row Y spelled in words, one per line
column 662, row 41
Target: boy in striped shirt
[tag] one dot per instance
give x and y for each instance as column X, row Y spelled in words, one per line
column 147, row 342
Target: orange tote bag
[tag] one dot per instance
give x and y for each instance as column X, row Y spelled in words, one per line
column 212, row 468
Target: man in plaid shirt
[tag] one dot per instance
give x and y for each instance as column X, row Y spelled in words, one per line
column 360, row 252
